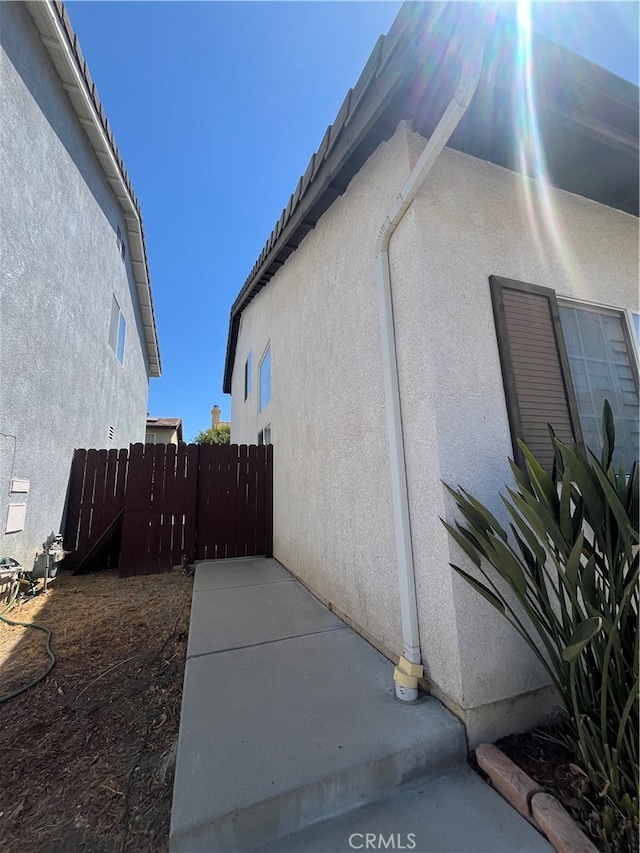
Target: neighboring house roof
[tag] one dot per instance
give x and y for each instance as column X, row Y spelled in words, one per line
column 52, row 21
column 166, row 423
column 587, row 122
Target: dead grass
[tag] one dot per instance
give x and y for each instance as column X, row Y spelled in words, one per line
column 87, row 754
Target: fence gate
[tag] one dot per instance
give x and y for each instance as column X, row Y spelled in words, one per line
column 146, row 507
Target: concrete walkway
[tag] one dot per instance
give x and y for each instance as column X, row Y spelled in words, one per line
column 291, row 738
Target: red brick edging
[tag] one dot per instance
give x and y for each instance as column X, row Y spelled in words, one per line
column 541, row 809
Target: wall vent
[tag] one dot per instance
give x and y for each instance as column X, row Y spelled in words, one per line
column 110, row 432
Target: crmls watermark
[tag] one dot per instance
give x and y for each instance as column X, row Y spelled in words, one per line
column 378, row 841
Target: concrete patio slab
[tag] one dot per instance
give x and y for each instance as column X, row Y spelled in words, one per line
column 455, row 813
column 243, row 571
column 247, row 615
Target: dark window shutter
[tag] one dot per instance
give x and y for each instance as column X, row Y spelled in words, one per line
column 535, row 367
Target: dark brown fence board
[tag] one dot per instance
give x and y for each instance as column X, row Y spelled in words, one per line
column 166, row 511
column 232, row 494
column 191, row 497
column 132, row 514
column 121, row 479
column 86, row 512
column 111, row 473
column 74, row 504
column 242, row 509
column 216, row 541
column 144, row 540
column 251, row 522
column 156, row 455
column 268, row 492
column 180, row 489
column 203, row 514
column 261, row 475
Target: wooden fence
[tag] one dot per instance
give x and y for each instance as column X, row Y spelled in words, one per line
column 146, row 508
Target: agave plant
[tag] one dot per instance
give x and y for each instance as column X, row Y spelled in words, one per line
column 571, row 564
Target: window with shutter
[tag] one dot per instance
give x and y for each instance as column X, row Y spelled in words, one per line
column 559, row 364
column 535, row 367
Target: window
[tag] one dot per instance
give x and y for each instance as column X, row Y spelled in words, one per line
column 120, row 243
column 635, row 322
column 117, row 330
column 264, row 436
column 601, row 364
column 559, row 363
column 150, row 438
column 265, row 379
column 247, row 376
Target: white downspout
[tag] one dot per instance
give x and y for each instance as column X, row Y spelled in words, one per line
column 409, row 668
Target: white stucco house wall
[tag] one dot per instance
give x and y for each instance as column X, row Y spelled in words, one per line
column 76, row 314
column 304, row 360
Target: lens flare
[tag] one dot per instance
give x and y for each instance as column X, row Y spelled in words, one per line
column 546, row 226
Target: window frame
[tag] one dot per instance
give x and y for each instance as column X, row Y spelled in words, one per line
column 266, row 354
column 247, row 376
column 261, row 435
column 117, row 330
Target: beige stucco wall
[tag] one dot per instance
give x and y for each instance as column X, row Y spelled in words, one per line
column 332, row 515
column 164, row 435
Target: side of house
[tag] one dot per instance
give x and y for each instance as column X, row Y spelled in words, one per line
column 163, row 431
column 79, row 339
column 305, row 362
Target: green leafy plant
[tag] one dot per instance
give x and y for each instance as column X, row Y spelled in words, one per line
column 571, row 565
column 220, row 434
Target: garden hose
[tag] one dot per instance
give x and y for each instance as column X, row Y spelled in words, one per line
column 50, row 653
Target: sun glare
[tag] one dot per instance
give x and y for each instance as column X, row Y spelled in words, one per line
column 545, row 223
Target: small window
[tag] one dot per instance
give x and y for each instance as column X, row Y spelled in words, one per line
column 150, row 438
column 247, row 376
column 120, row 243
column 117, row 330
column 264, row 436
column 265, row 379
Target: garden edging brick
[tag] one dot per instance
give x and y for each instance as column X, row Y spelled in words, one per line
column 541, row 809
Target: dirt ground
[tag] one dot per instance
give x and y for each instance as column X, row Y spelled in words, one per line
column 87, row 754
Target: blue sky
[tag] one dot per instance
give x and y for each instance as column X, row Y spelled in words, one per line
column 216, row 109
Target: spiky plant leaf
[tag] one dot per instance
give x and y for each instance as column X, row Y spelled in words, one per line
column 583, row 634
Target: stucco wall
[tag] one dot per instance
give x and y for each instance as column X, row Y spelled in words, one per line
column 332, row 515
column 61, row 384
column 474, row 219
